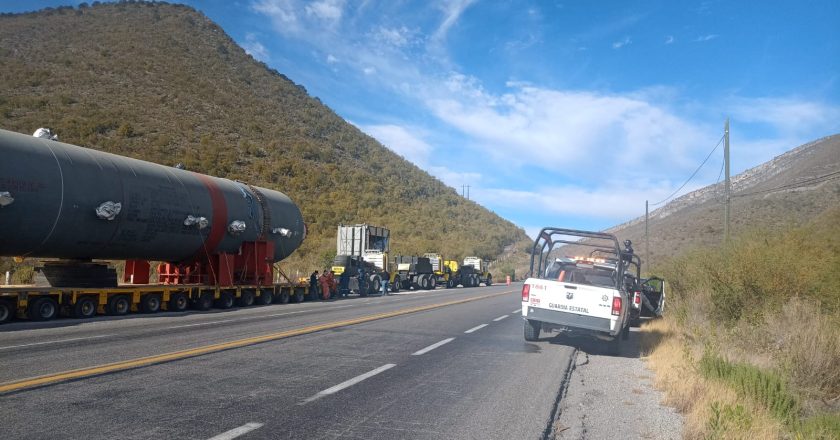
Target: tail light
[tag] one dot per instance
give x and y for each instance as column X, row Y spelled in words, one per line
column 526, row 292
column 637, row 298
column 616, row 308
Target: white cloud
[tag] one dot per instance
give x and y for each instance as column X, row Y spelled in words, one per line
column 452, row 10
column 327, row 10
column 282, row 13
column 399, row 140
column 397, row 37
column 369, row 70
column 669, row 39
column 790, row 116
column 331, row 59
column 621, row 43
column 582, row 129
column 704, row 38
column 254, row 48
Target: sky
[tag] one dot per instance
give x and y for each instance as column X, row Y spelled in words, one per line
column 557, row 113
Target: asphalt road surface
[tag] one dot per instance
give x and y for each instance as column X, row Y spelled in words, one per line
column 449, row 363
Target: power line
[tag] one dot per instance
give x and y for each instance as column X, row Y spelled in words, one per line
column 692, row 174
column 823, row 178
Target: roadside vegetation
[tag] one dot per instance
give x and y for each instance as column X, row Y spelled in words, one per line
column 750, row 344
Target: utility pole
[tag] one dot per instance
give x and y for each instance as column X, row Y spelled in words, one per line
column 727, row 189
column 647, row 234
column 468, row 192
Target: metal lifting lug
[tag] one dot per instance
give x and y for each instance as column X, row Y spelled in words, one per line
column 6, row 198
column 108, row 210
column 236, row 227
column 201, row 222
column 282, row 232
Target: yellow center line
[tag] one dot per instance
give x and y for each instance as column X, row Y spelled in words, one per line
column 213, row 348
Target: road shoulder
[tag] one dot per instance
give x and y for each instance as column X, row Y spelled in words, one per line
column 612, row 396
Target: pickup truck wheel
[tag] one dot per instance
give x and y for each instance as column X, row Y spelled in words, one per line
column 7, row 313
column 118, row 305
column 85, row 307
column 178, row 302
column 532, row 330
column 150, row 303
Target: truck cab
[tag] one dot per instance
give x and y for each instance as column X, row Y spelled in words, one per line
column 573, row 293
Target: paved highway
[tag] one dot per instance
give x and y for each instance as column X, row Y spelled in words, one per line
column 442, row 364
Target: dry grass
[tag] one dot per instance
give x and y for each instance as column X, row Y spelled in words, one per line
column 712, row 410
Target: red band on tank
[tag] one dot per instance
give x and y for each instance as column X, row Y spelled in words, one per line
column 217, row 223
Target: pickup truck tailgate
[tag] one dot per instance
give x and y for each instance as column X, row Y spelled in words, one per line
column 573, row 305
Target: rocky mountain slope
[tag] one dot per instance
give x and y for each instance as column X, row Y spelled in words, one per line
column 789, row 190
column 163, row 83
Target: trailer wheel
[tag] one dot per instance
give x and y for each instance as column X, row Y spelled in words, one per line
column 178, row 302
column 432, row 282
column 225, row 300
column 532, row 330
column 450, row 283
column 150, row 303
column 85, row 307
column 266, row 297
column 204, row 301
column 7, row 312
column 43, row 309
column 246, row 299
column 395, row 286
column 284, row 297
column 118, row 305
column 299, row 296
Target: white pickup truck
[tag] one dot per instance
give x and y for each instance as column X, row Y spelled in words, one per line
column 582, row 294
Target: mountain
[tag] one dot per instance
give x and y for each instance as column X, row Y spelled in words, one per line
column 163, row 83
column 787, row 191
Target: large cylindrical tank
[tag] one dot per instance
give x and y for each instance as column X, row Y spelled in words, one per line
column 62, row 201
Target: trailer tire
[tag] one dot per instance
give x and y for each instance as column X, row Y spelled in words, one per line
column 266, row 297
column 7, row 312
column 118, row 305
column 225, row 301
column 178, row 302
column 84, row 307
column 299, row 296
column 450, row 283
column 284, row 297
column 532, row 330
column 43, row 309
column 204, row 301
column 395, row 286
column 150, row 303
column 431, row 282
column 246, row 299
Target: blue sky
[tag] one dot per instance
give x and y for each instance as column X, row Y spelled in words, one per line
column 561, row 113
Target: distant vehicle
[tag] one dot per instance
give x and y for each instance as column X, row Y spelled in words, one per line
column 580, row 294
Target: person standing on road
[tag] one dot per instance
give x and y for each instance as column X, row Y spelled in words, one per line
column 325, row 286
column 344, row 283
column 313, row 284
column 386, row 277
column 362, row 281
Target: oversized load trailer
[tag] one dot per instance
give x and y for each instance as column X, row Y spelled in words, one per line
column 217, row 239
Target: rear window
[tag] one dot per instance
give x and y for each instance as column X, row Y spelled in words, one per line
column 580, row 274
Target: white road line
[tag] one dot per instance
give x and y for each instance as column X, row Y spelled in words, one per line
column 236, row 432
column 432, row 347
column 517, row 311
column 9, row 347
column 350, row 383
column 500, row 318
column 478, row 327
